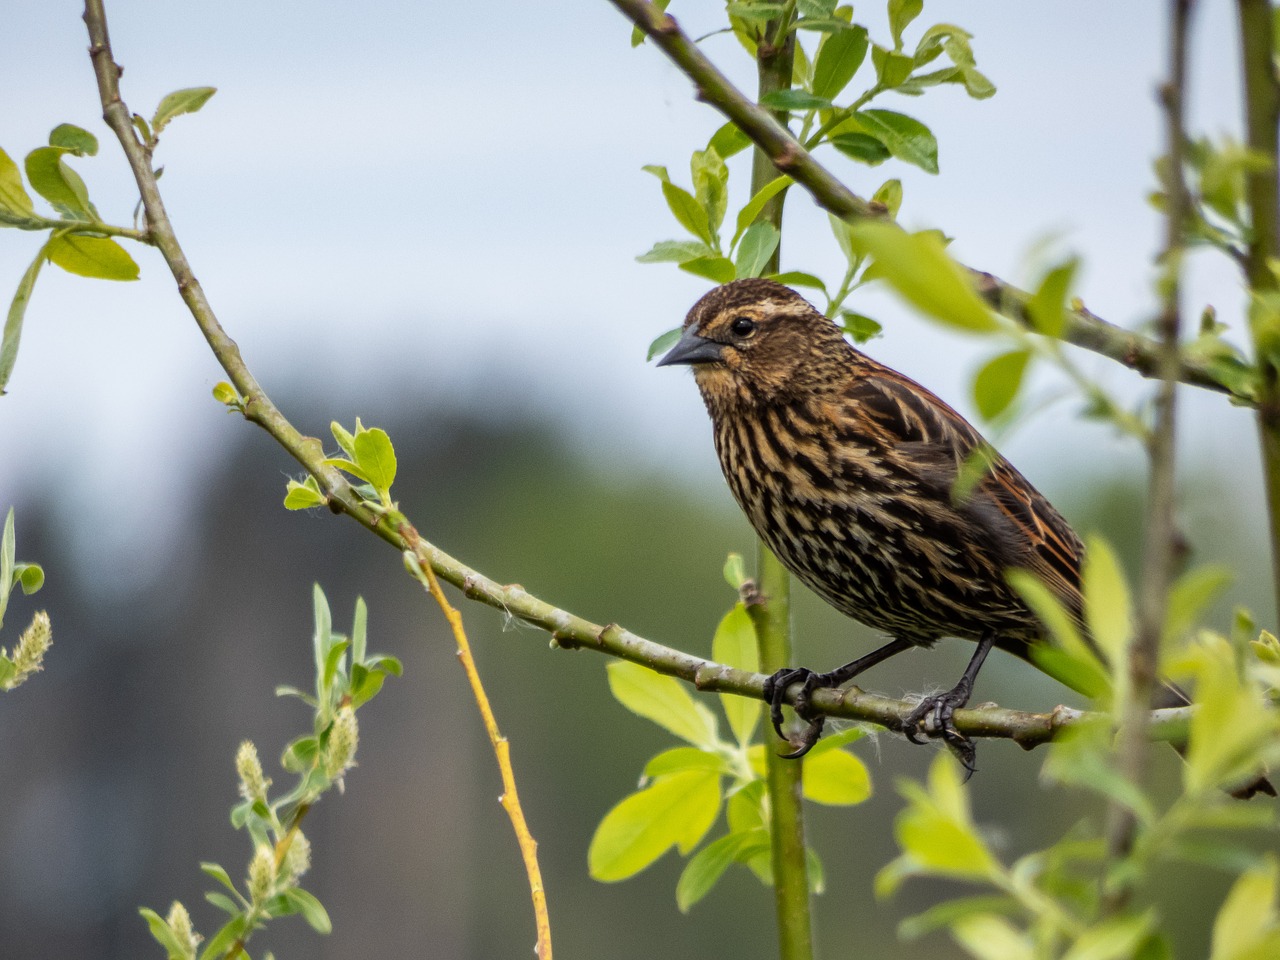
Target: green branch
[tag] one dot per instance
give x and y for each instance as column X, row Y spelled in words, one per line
column 1081, row 328
column 1262, row 192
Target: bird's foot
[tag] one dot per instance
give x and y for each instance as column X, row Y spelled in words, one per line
column 775, row 692
column 933, row 716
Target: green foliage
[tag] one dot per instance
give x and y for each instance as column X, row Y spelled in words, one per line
column 685, row 788
column 370, row 456
column 78, row 239
column 347, row 677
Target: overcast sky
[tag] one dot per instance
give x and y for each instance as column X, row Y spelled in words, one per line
column 393, row 199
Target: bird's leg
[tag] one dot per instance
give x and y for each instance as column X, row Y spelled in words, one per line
column 775, row 692
column 943, row 705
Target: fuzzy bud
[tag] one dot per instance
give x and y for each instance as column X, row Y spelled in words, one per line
column 180, row 923
column 28, row 655
column 344, row 737
column 253, row 785
column 262, row 874
column 297, row 860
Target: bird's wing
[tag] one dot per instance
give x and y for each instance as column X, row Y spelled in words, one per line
column 947, row 454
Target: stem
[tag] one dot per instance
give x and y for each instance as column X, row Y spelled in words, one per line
column 1158, row 549
column 1262, row 119
column 1082, row 328
column 771, row 614
column 510, row 799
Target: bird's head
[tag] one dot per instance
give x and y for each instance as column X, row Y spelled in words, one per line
column 754, row 340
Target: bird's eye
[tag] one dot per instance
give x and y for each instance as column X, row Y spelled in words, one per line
column 742, row 326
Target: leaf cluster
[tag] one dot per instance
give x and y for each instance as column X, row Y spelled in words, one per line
column 684, row 789
column 346, row 678
column 79, row 241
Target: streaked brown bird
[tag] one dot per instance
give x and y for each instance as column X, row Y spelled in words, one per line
column 848, row 471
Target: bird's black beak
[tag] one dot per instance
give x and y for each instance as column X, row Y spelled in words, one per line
column 691, row 348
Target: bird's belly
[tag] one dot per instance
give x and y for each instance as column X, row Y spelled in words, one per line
column 912, row 580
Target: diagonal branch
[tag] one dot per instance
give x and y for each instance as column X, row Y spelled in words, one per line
column 567, row 629
column 1082, row 327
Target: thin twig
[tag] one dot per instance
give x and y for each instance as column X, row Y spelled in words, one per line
column 1082, row 327
column 1159, row 547
column 510, row 799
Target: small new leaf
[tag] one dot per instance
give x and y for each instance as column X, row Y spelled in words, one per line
column 73, row 139
column 998, row 381
column 304, row 495
column 177, row 103
column 13, row 196
column 376, row 457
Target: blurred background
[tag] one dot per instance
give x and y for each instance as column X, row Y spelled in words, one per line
column 427, row 216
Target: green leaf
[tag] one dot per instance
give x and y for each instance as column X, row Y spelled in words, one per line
column 892, row 68
column 794, row 99
column 905, row 137
column 332, row 660
column 304, row 495
column 73, row 139
column 795, row 278
column 998, row 382
column 757, row 246
column 1246, row 927
column 98, row 257
column 919, row 268
column 377, row 458
column 225, row 393
column 729, row 140
column 164, row 934
column 30, row 576
column 890, row 195
column 901, row 13
column 13, row 195
column 861, row 147
column 663, row 343
column 948, row 912
column 687, row 211
column 13, row 322
column 1190, row 596
column 710, row 185
column 708, row 865
column 50, row 177
column 838, row 60
column 224, row 938
column 735, row 645
column 1047, row 306
column 988, row 936
column 217, row 872
column 179, row 102
column 346, row 440
column 359, row 631
column 322, row 636
column 675, row 251
column 836, row 778
column 716, row 269
column 1117, row 938
column 674, row 811
column 664, row 700
column 859, row 326
column 1106, row 603
column 748, row 214
column 223, row 902
column 311, row 909
column 682, row 760
column 8, row 549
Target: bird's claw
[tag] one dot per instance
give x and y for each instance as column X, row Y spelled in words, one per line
column 775, row 692
column 933, row 717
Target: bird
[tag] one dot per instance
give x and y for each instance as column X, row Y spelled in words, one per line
column 860, row 481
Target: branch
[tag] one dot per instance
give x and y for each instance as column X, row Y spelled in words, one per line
column 510, row 798
column 1082, row 328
